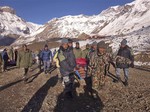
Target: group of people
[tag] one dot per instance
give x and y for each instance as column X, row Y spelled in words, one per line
column 93, row 62
column 8, row 57
column 98, row 58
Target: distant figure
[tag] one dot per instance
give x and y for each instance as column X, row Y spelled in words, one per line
column 15, row 55
column 56, row 61
column 70, row 44
column 54, row 52
column 67, row 65
column 77, row 51
column 86, row 51
column 1, row 62
column 46, row 56
column 5, row 58
column 93, row 48
column 124, row 60
column 40, row 61
column 24, row 60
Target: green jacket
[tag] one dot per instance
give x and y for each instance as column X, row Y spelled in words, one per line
column 24, row 59
column 85, row 53
column 77, row 53
column 11, row 54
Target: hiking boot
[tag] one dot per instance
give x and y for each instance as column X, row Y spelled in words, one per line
column 115, row 80
column 126, row 83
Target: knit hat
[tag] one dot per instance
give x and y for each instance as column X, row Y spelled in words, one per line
column 94, row 43
column 87, row 45
column 64, row 41
column 70, row 40
column 124, row 42
column 45, row 45
column 102, row 44
column 77, row 42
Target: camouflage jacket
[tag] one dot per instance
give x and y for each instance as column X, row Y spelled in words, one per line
column 97, row 63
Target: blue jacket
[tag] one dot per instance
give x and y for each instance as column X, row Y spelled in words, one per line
column 46, row 55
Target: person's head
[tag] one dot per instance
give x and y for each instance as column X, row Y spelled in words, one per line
column 5, row 49
column 24, row 46
column 77, row 45
column 94, row 45
column 101, row 47
column 46, row 47
column 70, row 42
column 87, row 46
column 64, row 43
column 123, row 43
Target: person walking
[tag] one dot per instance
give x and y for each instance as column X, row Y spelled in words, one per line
column 70, row 44
column 86, row 51
column 96, row 68
column 46, row 56
column 56, row 61
column 24, row 60
column 67, row 65
column 11, row 54
column 39, row 61
column 77, row 51
column 1, row 62
column 124, row 60
column 5, row 58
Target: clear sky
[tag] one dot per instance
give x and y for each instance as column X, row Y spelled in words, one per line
column 41, row 11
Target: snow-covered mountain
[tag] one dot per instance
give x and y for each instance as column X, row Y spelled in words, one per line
column 117, row 20
column 129, row 20
column 13, row 26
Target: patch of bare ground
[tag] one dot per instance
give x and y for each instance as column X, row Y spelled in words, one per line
column 44, row 93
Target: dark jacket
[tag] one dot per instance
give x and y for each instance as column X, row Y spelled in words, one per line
column 124, row 57
column 67, row 61
column 5, row 56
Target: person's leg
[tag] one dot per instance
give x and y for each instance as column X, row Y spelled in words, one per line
column 45, row 66
column 4, row 66
column 88, row 87
column 68, row 81
column 118, row 73
column 126, row 73
column 39, row 63
column 25, row 74
column 48, row 66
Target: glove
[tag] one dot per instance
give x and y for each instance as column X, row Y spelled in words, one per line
column 132, row 65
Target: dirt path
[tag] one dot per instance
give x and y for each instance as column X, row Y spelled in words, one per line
column 43, row 93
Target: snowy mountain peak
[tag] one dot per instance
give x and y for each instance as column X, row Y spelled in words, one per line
column 7, row 9
column 10, row 23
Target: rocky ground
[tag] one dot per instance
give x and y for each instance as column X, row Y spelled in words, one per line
column 44, row 93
